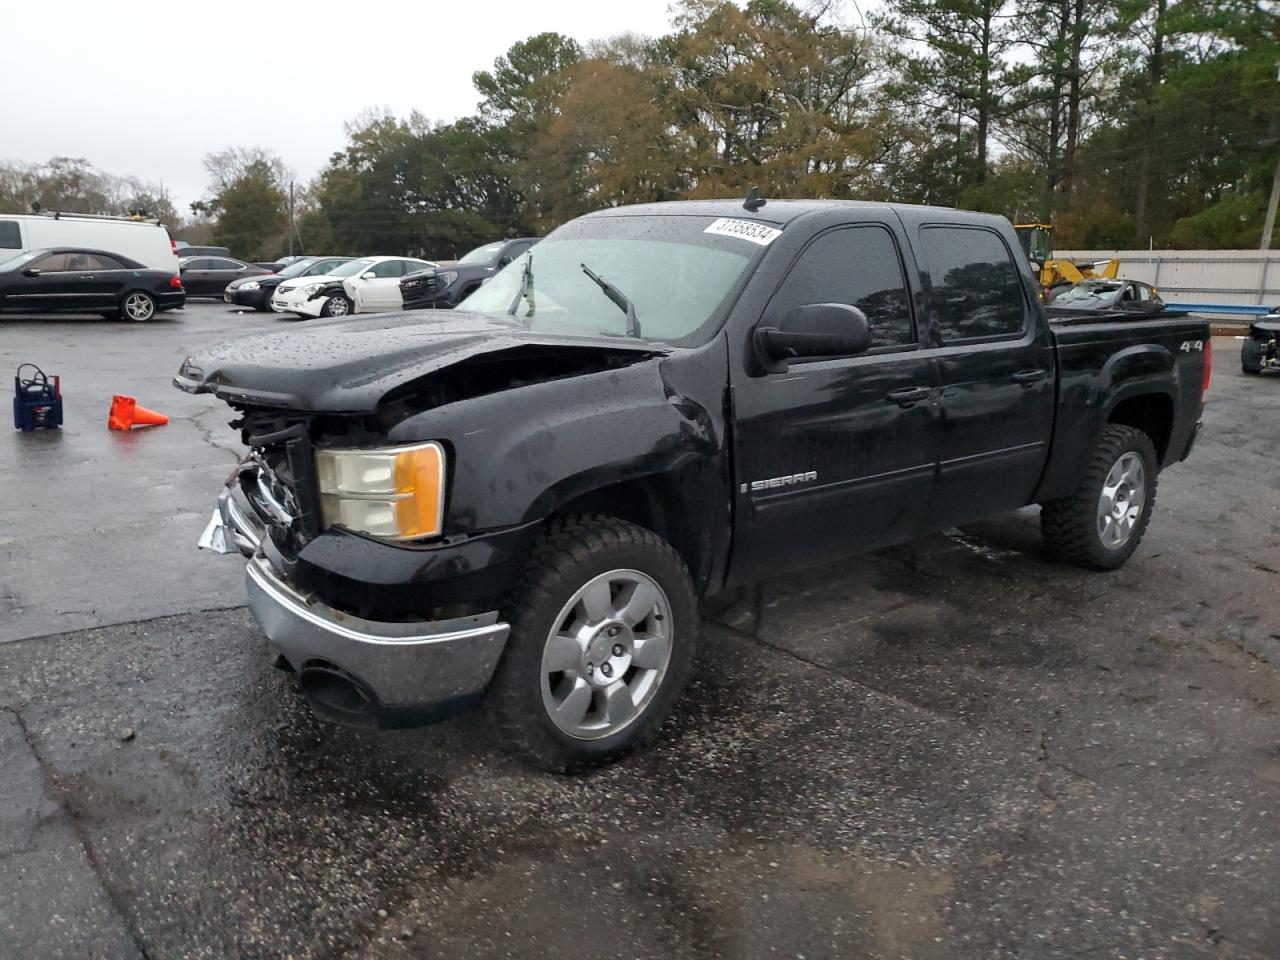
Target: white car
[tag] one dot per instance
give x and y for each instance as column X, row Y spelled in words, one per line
column 369, row 285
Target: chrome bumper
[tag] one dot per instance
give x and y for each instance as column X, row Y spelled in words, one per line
column 412, row 664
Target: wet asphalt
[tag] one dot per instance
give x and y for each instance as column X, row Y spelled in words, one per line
column 953, row 748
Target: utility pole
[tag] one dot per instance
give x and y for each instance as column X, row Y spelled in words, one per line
column 291, row 218
column 1269, row 226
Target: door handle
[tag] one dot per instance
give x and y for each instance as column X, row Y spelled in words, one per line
column 905, row 396
column 1028, row 377
column 86, row 276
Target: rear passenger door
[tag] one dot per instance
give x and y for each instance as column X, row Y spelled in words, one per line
column 195, row 276
column 836, row 455
column 996, row 369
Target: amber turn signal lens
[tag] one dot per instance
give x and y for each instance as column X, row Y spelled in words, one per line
column 419, row 479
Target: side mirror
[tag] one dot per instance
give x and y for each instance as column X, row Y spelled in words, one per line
column 367, row 276
column 31, row 272
column 813, row 330
column 503, row 261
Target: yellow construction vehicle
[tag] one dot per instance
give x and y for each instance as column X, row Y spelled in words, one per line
column 1037, row 244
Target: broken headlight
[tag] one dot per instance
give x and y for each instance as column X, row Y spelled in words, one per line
column 392, row 492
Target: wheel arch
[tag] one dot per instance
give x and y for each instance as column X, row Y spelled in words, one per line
column 1151, row 412
column 654, row 503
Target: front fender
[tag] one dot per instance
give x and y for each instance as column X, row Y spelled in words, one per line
column 517, row 455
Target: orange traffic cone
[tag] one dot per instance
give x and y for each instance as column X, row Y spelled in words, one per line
column 126, row 414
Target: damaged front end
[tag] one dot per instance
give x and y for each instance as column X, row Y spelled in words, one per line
column 386, row 618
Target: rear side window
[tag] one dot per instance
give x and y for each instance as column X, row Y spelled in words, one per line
column 389, row 268
column 98, row 261
column 854, row 265
column 976, row 292
column 10, row 235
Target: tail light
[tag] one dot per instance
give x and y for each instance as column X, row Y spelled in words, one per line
column 175, row 282
column 173, row 245
column 1208, row 368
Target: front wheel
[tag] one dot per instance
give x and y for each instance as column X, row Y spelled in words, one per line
column 336, row 306
column 138, row 307
column 1101, row 524
column 603, row 632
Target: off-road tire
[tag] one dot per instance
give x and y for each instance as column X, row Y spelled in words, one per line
column 1069, row 526
column 569, row 553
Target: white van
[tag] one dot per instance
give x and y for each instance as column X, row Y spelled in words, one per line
column 145, row 241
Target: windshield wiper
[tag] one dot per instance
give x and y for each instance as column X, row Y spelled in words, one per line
column 526, row 288
column 622, row 301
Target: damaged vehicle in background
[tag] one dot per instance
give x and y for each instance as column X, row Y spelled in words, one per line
column 1131, row 296
column 368, row 285
column 256, row 291
column 447, row 285
column 525, row 499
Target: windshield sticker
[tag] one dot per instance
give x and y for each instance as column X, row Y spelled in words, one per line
column 744, row 230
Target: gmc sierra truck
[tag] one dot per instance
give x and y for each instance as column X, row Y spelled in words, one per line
column 525, row 499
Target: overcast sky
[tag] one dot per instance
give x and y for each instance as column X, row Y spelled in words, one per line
column 147, row 88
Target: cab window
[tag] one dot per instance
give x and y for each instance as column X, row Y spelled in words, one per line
column 975, row 291
column 10, row 235
column 858, row 266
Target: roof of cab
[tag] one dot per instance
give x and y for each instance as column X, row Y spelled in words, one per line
column 782, row 212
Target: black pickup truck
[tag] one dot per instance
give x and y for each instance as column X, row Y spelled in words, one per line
column 526, row 498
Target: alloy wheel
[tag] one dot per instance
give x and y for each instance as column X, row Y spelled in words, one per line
column 138, row 306
column 1124, row 493
column 607, row 654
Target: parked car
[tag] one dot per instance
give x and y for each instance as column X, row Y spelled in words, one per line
column 210, row 276
column 371, row 287
column 256, row 291
column 1261, row 350
column 527, row 498
column 189, row 251
column 1131, row 296
column 275, row 266
column 79, row 280
column 146, row 242
column 448, row 285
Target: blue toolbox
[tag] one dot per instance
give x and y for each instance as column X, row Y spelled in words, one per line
column 37, row 400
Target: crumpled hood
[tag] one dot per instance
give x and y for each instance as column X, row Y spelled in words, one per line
column 349, row 365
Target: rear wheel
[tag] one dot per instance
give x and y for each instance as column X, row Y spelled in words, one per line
column 137, row 306
column 336, row 306
column 1101, row 524
column 602, row 639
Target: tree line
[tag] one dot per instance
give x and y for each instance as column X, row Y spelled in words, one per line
column 1123, row 122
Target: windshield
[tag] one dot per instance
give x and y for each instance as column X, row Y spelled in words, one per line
column 1089, row 293
column 483, row 254
column 677, row 275
column 296, row 268
column 349, row 269
column 14, row 263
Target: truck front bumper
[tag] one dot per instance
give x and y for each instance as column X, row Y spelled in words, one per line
column 371, row 672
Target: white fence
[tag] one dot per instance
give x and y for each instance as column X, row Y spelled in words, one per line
column 1247, row 277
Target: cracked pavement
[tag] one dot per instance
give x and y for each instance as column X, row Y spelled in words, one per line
column 953, row 748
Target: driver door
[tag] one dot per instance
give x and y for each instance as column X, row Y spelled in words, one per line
column 381, row 292
column 837, row 455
